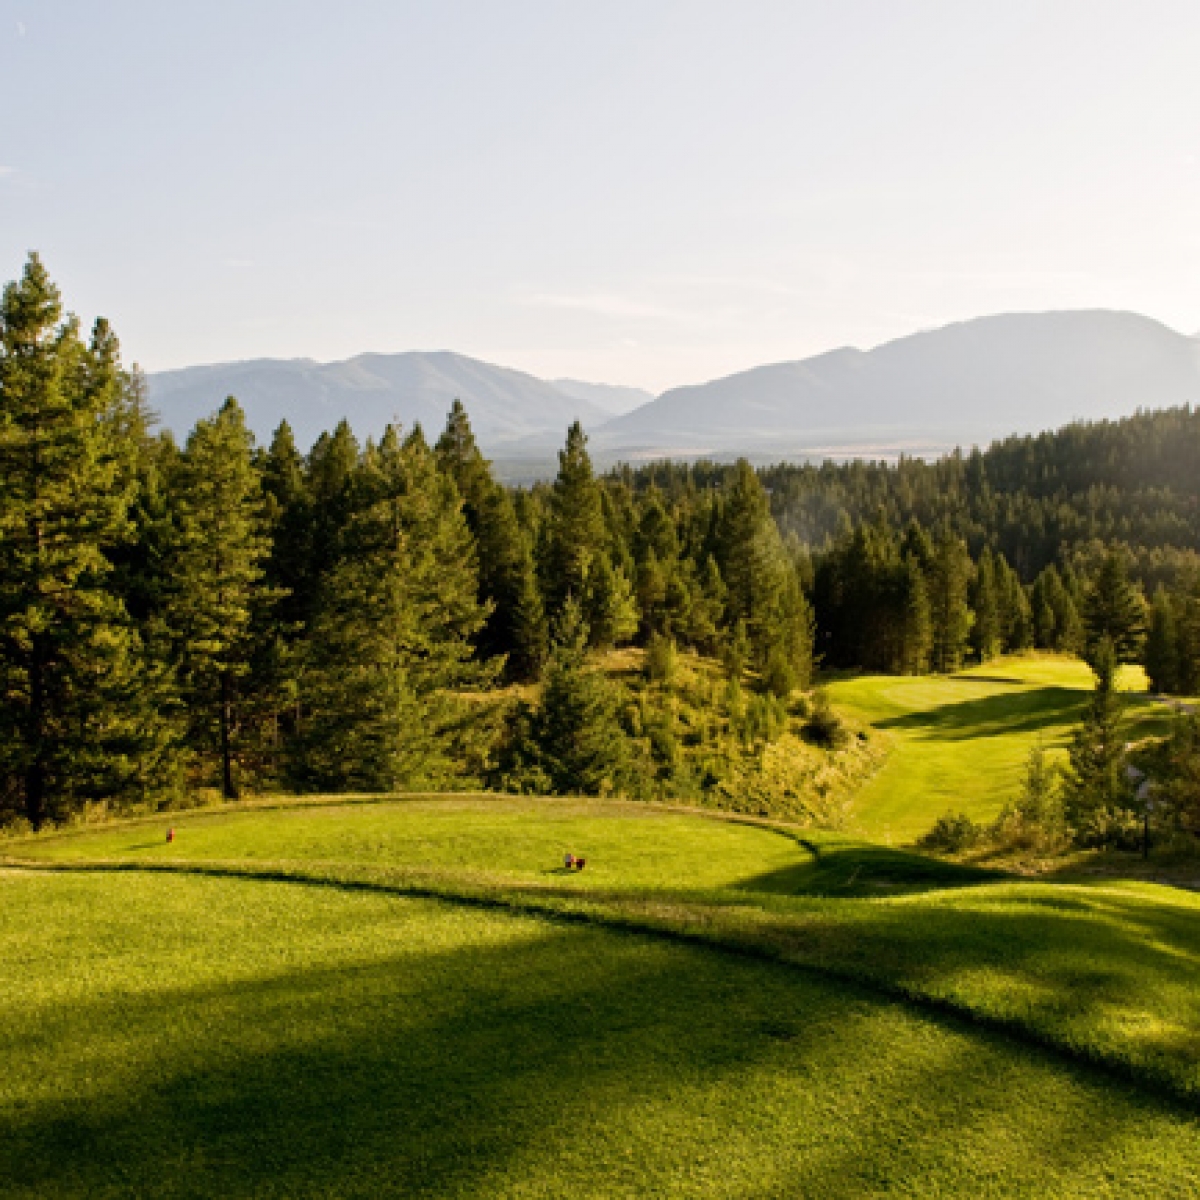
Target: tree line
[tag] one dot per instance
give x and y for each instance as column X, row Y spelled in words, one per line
column 217, row 614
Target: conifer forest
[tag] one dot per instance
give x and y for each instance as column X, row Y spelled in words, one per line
column 223, row 618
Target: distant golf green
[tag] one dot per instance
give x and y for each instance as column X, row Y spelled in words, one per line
column 960, row 743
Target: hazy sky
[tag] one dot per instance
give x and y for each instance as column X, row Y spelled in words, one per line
column 647, row 192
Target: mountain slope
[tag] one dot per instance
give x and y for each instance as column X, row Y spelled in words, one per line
column 369, row 391
column 966, row 382
column 611, row 397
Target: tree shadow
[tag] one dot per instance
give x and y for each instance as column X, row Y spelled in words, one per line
column 850, row 868
column 1104, row 975
column 992, row 716
column 554, row 1053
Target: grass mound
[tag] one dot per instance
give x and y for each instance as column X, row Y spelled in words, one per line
column 1109, row 974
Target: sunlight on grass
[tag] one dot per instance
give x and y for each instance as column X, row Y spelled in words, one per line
column 626, row 844
column 960, row 743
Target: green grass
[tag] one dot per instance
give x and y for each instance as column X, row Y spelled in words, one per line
column 172, row 1035
column 411, row 997
column 631, row 845
column 1104, row 971
column 960, row 743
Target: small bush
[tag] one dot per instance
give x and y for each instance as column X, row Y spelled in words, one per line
column 824, row 727
column 1113, row 827
column 953, row 833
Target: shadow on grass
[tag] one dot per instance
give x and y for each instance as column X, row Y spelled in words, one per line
column 992, row 716
column 847, row 868
column 1001, row 679
column 567, row 1055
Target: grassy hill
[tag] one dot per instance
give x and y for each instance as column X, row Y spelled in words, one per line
column 360, row 996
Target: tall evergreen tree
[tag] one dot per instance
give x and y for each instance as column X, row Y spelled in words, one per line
column 217, row 594
column 611, row 610
column 289, row 517
column 394, row 633
column 950, row 615
column 987, row 630
column 1097, row 788
column 1162, row 644
column 1114, row 611
column 515, row 627
column 69, row 724
column 576, row 530
column 1187, row 637
column 916, row 623
column 580, row 745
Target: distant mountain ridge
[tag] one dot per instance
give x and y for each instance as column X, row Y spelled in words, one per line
column 369, row 391
column 965, row 383
column 968, row 382
column 613, row 398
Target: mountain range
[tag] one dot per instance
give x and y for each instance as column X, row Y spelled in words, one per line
column 965, row 383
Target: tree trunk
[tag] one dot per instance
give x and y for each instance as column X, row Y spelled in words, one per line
column 228, row 790
column 35, row 773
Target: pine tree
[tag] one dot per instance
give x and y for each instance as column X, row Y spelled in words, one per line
column 393, row 636
column 1018, row 632
column 611, row 610
column 744, row 547
column 652, row 594
column 762, row 587
column 289, row 518
column 948, row 609
column 1162, row 645
column 1187, row 636
column 916, row 622
column 1042, row 610
column 706, row 608
column 1097, row 789
column 332, row 472
column 1114, row 611
column 217, row 593
column 1179, row 789
column 515, row 627
column 987, row 630
column 576, row 531
column 581, row 746
column 70, row 723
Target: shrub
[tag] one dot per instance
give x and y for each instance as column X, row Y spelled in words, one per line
column 953, row 832
column 824, row 727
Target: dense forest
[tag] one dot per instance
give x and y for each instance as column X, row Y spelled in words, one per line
column 373, row 616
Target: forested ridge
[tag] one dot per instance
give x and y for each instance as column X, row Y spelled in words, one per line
column 372, row 617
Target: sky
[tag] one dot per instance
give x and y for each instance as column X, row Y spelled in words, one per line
column 643, row 192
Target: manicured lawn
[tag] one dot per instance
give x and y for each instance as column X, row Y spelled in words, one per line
column 411, row 997
column 961, row 743
column 172, row 1035
column 627, row 844
column 1109, row 972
